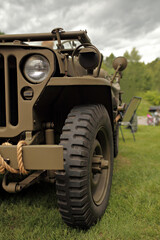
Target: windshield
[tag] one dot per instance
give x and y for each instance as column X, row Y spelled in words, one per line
column 69, row 44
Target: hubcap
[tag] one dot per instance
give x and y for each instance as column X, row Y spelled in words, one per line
column 100, row 167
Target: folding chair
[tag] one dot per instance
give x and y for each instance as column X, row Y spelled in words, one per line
column 129, row 114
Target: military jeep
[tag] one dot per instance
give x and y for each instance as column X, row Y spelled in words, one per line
column 59, row 114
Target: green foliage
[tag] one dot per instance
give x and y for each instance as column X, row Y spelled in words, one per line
column 153, row 97
column 133, row 56
column 107, row 64
column 135, row 79
column 104, row 66
column 144, row 105
column 1, row 33
column 109, row 60
column 153, row 69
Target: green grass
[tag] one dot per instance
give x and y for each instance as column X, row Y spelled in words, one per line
column 134, row 207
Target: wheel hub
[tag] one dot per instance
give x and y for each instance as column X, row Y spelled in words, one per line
column 99, row 172
column 98, row 164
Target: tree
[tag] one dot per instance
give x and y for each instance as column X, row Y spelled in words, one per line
column 107, row 64
column 1, row 33
column 133, row 56
column 109, row 60
column 153, row 69
column 136, row 78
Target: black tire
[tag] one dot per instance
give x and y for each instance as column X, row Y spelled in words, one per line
column 83, row 193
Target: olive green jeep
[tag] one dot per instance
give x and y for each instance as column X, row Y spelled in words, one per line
column 59, row 116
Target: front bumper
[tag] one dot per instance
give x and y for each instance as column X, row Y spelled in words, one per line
column 35, row 157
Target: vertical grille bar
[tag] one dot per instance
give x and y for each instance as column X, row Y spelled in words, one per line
column 2, row 93
column 13, row 94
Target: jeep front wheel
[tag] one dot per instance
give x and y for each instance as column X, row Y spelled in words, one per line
column 83, row 188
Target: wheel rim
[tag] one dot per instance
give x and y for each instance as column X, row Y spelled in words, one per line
column 100, row 166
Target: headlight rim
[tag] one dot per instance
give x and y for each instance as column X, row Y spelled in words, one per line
column 27, row 77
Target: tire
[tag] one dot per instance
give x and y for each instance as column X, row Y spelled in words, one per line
column 82, row 191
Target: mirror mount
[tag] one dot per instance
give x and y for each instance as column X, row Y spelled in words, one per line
column 119, row 64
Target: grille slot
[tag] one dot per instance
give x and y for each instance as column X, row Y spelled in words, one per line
column 13, row 92
column 2, row 93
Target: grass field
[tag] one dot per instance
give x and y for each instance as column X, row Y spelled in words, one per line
column 134, row 207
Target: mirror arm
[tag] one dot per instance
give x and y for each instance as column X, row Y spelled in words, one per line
column 114, row 76
column 120, row 76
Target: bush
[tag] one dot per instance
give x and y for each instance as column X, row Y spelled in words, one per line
column 153, row 97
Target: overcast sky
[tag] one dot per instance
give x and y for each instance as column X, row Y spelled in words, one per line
column 112, row 25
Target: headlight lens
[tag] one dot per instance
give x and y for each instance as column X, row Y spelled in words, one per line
column 36, row 68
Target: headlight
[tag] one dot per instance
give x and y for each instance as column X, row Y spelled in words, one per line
column 36, row 68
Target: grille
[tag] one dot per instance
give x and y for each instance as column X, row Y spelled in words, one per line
column 8, row 91
column 2, row 93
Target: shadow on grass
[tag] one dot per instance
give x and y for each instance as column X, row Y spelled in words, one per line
column 42, row 193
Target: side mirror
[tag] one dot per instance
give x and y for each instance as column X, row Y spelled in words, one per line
column 120, row 63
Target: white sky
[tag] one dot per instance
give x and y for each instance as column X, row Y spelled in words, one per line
column 112, row 25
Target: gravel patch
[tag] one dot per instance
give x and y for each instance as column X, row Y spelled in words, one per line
column 142, row 120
